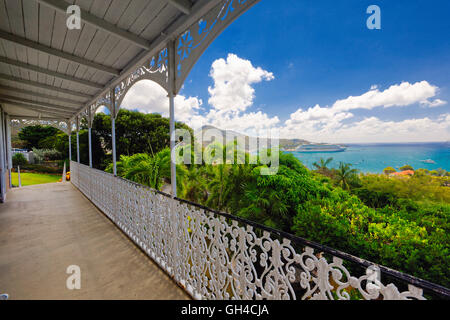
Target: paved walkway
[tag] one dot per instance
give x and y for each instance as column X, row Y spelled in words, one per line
column 46, row 228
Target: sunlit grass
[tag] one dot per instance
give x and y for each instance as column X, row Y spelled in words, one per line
column 29, row 179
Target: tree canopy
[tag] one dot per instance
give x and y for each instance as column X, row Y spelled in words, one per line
column 34, row 135
column 136, row 132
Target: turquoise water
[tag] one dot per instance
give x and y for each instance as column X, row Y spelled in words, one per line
column 375, row 157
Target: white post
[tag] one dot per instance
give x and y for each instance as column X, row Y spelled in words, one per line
column 173, row 168
column 18, row 175
column 113, row 133
column 90, row 147
column 172, row 93
column 9, row 148
column 70, row 146
column 78, row 146
column 64, row 173
column 113, row 129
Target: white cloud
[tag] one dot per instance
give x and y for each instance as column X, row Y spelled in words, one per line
column 327, row 123
column 409, row 130
column 433, row 104
column 149, row 97
column 373, row 129
column 102, row 109
column 397, row 95
column 233, row 79
column 232, row 95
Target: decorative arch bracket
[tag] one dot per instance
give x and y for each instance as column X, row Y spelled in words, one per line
column 195, row 40
column 155, row 69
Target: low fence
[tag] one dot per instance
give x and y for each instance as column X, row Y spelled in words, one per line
column 218, row 256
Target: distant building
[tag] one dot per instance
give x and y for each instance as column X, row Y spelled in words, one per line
column 403, row 173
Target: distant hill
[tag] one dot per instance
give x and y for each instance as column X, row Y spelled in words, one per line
column 286, row 144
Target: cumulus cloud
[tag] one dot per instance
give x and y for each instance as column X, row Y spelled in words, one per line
column 102, row 109
column 327, row 123
column 432, row 104
column 232, row 95
column 233, row 79
column 409, row 130
column 372, row 129
column 149, row 97
column 398, row 95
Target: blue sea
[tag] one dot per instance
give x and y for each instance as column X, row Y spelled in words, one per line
column 374, row 158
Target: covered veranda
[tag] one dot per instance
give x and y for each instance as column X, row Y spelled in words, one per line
column 47, row 228
column 53, row 75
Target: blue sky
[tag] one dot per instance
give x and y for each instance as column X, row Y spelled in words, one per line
column 319, row 52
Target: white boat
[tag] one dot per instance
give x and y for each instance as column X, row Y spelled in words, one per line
column 310, row 148
column 429, row 161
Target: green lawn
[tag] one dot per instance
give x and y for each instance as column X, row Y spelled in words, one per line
column 29, row 179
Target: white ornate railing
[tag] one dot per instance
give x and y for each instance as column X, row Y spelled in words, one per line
column 218, row 256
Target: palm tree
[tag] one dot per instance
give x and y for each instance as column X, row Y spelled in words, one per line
column 263, row 206
column 322, row 166
column 216, row 185
column 195, row 185
column 149, row 170
column 344, row 175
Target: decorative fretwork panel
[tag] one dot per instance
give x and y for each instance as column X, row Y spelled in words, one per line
column 216, row 256
column 155, row 69
column 195, row 40
column 20, row 123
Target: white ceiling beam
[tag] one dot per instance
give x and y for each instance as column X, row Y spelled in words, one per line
column 64, row 114
column 44, row 86
column 16, row 117
column 41, row 95
column 38, row 103
column 50, row 73
column 99, row 23
column 57, row 53
column 184, row 6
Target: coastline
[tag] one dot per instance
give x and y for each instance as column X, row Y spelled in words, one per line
column 374, row 157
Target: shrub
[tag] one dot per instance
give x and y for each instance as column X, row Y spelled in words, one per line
column 389, row 170
column 46, row 154
column 406, row 167
column 19, row 160
column 35, row 168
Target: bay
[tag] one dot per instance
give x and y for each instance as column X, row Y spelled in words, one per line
column 373, row 158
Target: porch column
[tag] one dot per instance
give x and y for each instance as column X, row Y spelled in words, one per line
column 70, row 146
column 113, row 134
column 172, row 94
column 69, row 133
column 90, row 147
column 113, row 129
column 78, row 147
column 173, row 168
column 90, row 136
column 9, row 148
column 78, row 140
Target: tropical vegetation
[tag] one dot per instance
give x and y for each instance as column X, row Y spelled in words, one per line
column 398, row 222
